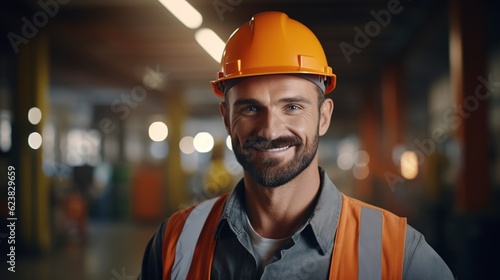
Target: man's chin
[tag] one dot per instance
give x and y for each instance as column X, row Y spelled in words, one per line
column 273, row 176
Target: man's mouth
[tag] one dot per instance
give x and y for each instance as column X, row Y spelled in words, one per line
column 275, row 149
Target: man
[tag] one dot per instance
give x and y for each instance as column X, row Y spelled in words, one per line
column 285, row 219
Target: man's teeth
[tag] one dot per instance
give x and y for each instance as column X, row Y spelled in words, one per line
column 277, row 149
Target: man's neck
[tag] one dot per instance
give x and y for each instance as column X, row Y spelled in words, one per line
column 279, row 212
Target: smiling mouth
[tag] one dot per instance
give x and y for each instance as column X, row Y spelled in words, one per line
column 278, row 145
column 275, row 149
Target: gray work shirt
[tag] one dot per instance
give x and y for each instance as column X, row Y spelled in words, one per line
column 306, row 256
column 308, row 253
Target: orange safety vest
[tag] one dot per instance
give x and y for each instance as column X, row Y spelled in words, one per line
column 369, row 241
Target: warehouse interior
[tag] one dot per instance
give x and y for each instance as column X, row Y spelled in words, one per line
column 109, row 124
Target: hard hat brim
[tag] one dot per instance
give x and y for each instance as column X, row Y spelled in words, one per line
column 218, row 87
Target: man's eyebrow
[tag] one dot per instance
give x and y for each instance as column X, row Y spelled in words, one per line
column 298, row 99
column 246, row 101
column 252, row 101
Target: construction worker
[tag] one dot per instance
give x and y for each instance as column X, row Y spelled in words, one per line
column 285, row 219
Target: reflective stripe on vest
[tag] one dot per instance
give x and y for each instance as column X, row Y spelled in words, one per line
column 188, row 243
column 369, row 242
column 189, row 237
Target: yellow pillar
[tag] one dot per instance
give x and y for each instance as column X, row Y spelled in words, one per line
column 33, row 186
column 175, row 177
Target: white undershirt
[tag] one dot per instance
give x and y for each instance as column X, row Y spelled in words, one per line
column 263, row 248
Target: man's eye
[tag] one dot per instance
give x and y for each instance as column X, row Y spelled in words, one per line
column 249, row 109
column 293, row 107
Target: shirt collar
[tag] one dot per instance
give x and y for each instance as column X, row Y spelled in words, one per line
column 326, row 215
column 234, row 211
column 323, row 221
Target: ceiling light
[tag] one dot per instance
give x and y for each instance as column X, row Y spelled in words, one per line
column 184, row 12
column 210, row 42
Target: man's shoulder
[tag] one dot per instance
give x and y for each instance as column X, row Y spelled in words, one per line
column 358, row 203
column 197, row 208
column 421, row 261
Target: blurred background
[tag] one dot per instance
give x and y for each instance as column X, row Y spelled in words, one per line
column 108, row 118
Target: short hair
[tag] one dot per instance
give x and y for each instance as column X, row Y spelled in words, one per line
column 321, row 96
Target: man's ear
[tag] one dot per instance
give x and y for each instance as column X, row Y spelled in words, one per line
column 325, row 115
column 224, row 114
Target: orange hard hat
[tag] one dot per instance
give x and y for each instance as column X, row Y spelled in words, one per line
column 273, row 43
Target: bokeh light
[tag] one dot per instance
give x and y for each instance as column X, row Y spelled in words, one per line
column 186, row 145
column 158, row 131
column 203, row 142
column 229, row 144
column 34, row 115
column 345, row 161
column 35, row 140
column 409, row 165
column 361, row 172
column 361, row 158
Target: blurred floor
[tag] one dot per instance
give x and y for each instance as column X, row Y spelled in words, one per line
column 112, row 252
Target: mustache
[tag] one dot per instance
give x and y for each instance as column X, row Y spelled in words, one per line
column 261, row 143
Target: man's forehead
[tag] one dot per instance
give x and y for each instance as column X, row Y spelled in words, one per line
column 272, row 86
column 317, row 80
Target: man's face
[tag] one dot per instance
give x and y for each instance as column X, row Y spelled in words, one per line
column 275, row 122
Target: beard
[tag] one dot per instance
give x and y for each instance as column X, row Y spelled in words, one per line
column 274, row 172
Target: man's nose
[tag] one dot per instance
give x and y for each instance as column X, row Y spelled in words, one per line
column 270, row 125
